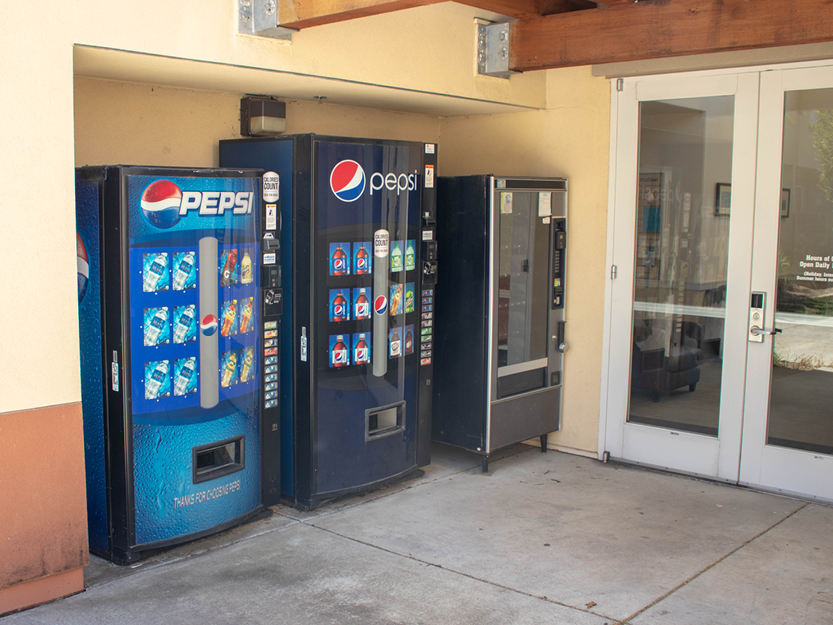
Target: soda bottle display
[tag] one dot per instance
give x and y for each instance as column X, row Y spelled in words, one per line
column 155, row 326
column 154, row 273
column 246, row 316
column 183, row 380
column 340, row 308
column 340, row 355
column 227, row 276
column 230, row 369
column 362, row 305
column 246, row 276
column 156, row 380
column 183, row 324
column 395, row 300
column 362, row 260
column 228, row 318
column 409, row 297
column 246, row 367
column 396, row 256
column 183, row 271
column 409, row 341
column 339, row 265
column 362, row 351
column 410, row 256
column 395, row 344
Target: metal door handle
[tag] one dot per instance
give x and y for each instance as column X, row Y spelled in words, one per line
column 756, row 331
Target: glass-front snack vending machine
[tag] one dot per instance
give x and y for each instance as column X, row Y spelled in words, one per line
column 179, row 354
column 500, row 321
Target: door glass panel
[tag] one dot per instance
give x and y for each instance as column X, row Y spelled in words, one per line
column 523, row 293
column 801, row 390
column 683, row 215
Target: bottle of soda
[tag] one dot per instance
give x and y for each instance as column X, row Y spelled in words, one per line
column 229, row 370
column 341, row 311
column 246, row 316
column 362, row 261
column 154, row 274
column 157, row 378
column 183, row 380
column 183, row 324
column 183, row 271
column 340, row 265
column 246, row 276
column 341, row 356
column 228, row 318
column 154, row 329
column 396, row 256
column 227, row 277
column 410, row 257
column 362, row 351
column 246, row 368
column 362, row 305
column 409, row 342
column 395, row 344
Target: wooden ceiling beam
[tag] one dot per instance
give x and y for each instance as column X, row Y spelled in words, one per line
column 307, row 13
column 663, row 28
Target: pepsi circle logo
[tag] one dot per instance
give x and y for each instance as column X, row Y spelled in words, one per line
column 380, row 305
column 160, row 203
column 83, row 267
column 347, row 181
column 208, row 325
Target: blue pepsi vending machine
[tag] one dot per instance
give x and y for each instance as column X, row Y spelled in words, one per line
column 358, row 253
column 179, row 354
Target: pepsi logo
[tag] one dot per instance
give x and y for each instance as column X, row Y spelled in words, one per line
column 208, row 325
column 160, row 203
column 83, row 267
column 347, row 181
column 380, row 305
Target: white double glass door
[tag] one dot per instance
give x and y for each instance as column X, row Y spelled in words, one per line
column 723, row 198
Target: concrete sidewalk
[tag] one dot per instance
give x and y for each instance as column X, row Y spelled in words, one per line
column 541, row 538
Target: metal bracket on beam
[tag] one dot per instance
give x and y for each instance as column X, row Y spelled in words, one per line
column 260, row 17
column 493, row 50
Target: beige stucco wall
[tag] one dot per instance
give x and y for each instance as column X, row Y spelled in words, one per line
column 169, row 126
column 425, row 49
column 181, row 127
column 570, row 139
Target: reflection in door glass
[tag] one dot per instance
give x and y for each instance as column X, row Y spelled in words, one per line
column 683, row 213
column 801, row 391
column 523, row 294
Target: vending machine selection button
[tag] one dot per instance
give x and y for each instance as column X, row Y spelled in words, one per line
column 425, row 361
column 272, row 351
column 270, row 325
column 272, row 369
column 271, row 334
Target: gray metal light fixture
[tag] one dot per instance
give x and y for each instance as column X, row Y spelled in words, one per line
column 262, row 117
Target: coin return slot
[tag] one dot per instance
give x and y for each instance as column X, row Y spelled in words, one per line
column 218, row 459
column 385, row 421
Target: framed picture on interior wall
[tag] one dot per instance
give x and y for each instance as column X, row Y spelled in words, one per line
column 723, row 199
column 785, row 202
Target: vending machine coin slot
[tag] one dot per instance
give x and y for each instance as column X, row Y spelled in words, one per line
column 560, row 247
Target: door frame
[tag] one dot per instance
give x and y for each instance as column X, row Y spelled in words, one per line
column 745, row 167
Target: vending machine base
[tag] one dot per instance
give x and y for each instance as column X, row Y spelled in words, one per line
column 500, row 311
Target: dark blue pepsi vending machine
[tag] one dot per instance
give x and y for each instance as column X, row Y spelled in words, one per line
column 358, row 253
column 179, row 354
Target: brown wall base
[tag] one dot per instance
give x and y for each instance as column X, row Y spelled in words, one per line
column 43, row 524
column 37, row 591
